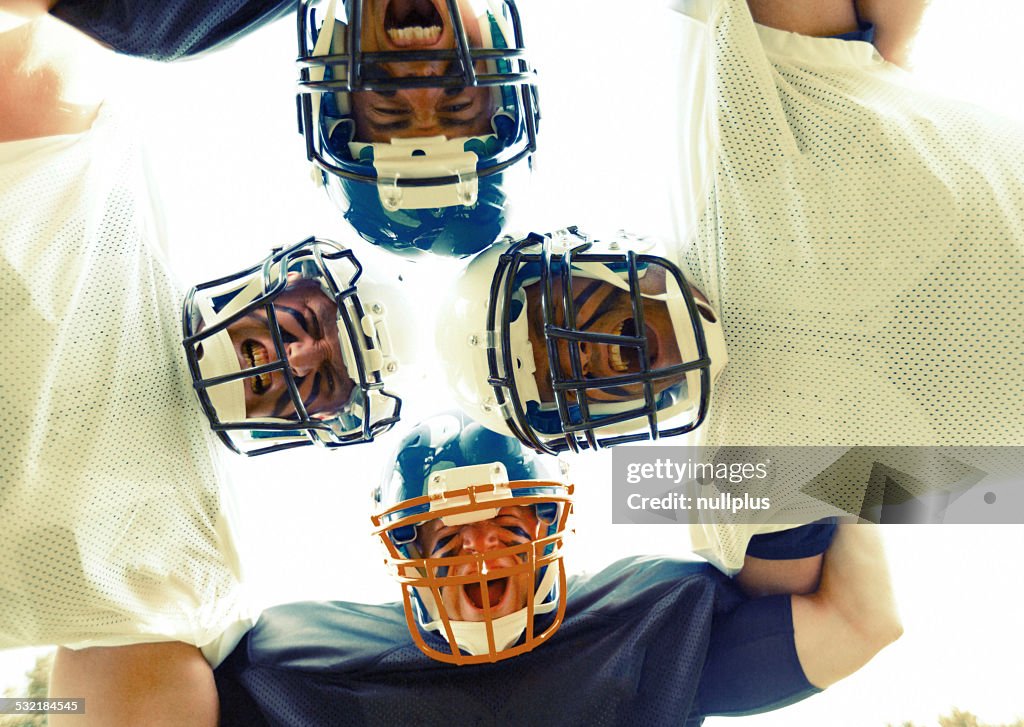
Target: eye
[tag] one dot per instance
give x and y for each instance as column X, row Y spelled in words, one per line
column 456, row 108
column 442, row 543
column 314, row 324
column 287, row 337
column 388, row 111
column 516, row 530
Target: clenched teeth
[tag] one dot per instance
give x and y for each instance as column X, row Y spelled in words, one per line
column 257, row 356
column 618, row 364
column 415, row 34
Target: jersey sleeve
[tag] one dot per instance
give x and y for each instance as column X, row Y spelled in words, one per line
column 169, row 30
column 752, row 664
column 725, row 544
column 802, row 542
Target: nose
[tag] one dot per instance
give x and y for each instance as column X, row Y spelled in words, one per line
column 480, row 537
column 304, row 356
column 423, row 104
column 566, row 361
column 419, row 68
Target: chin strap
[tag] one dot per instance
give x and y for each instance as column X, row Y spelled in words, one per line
column 471, row 636
column 423, row 158
column 219, row 357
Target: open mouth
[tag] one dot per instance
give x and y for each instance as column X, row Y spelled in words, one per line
column 625, row 359
column 496, row 590
column 256, row 355
column 413, row 23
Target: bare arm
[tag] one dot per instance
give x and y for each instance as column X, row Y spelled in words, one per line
column 896, row 23
column 819, row 18
column 853, row 615
column 760, row 577
column 51, row 79
column 786, row 561
column 26, row 8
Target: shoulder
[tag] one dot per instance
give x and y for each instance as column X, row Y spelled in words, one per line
column 328, row 635
column 636, row 581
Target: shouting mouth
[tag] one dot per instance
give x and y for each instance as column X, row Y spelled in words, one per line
column 625, row 359
column 256, row 355
column 413, row 23
column 497, row 588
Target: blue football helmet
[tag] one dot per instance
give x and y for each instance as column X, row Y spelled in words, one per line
column 569, row 343
column 414, row 124
column 473, row 528
column 296, row 349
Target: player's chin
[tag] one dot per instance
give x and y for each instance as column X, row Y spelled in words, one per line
column 634, row 392
column 617, row 395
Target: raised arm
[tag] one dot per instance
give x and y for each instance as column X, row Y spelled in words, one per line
column 766, row 577
column 786, row 561
column 896, row 23
column 777, row 649
column 49, row 83
column 25, row 8
column 853, row 615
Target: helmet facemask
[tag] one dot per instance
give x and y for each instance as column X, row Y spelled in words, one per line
column 590, row 346
column 491, row 603
column 407, row 187
column 287, row 353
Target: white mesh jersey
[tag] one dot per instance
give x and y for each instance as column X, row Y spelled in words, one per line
column 862, row 239
column 113, row 528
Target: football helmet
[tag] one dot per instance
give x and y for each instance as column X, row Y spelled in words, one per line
column 295, row 350
column 473, row 528
column 442, row 186
column 569, row 343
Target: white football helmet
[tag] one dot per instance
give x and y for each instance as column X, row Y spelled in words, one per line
column 473, row 528
column 410, row 186
column 296, row 349
column 568, row 343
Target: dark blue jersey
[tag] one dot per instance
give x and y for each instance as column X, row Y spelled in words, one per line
column 169, row 29
column 647, row 641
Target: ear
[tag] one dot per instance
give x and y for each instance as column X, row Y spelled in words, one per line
column 584, row 354
column 698, row 295
column 706, row 311
column 703, row 305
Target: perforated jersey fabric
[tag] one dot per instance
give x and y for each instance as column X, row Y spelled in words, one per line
column 114, row 528
column 646, row 642
column 172, row 29
column 864, row 243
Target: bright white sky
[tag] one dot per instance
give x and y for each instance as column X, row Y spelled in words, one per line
column 236, row 184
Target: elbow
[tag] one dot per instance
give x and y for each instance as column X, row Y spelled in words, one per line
column 879, row 630
column 893, row 632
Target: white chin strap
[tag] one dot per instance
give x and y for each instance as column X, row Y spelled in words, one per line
column 422, row 158
column 471, row 636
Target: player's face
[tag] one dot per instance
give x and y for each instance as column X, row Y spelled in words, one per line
column 603, row 308
column 308, row 320
column 412, row 25
column 512, row 526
